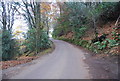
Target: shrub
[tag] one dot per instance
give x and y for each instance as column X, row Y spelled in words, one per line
column 10, row 47
column 39, row 42
column 112, row 43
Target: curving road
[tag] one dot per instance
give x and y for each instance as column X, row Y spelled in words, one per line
column 65, row 62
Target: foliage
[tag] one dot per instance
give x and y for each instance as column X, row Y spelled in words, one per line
column 76, row 16
column 70, row 20
column 45, row 42
column 9, row 44
column 31, row 40
column 112, row 43
column 58, row 31
column 100, row 45
column 79, row 31
column 116, row 35
column 108, row 43
column 42, row 41
column 10, row 47
column 111, row 9
column 96, row 47
column 37, row 38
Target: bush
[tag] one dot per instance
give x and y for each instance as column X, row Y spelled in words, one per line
column 39, row 42
column 112, row 43
column 10, row 47
column 83, row 43
column 45, row 42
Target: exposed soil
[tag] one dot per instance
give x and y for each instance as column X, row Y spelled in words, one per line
column 101, row 66
column 104, row 29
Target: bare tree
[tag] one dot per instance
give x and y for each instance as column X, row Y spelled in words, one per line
column 8, row 15
column 33, row 16
column 8, row 11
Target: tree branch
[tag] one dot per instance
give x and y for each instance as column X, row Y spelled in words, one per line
column 117, row 21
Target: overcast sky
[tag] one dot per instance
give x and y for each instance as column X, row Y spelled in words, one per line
column 20, row 24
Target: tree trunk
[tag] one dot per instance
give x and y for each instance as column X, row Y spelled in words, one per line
column 47, row 27
column 95, row 28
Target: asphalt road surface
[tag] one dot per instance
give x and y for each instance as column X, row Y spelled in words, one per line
column 65, row 62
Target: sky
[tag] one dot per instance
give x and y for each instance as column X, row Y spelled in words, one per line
column 20, row 25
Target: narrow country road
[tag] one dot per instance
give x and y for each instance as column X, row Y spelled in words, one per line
column 65, row 62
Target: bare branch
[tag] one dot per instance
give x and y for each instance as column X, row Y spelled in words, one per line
column 117, row 21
